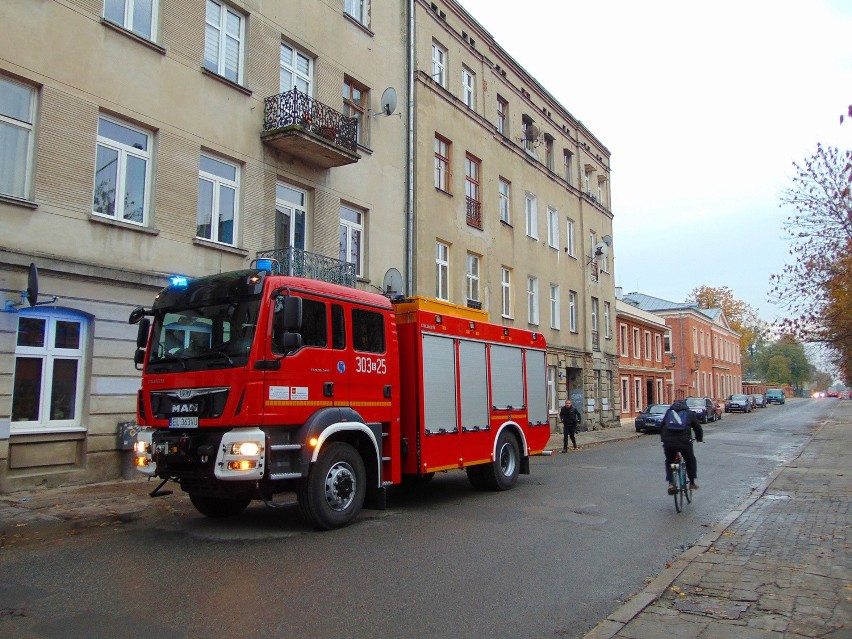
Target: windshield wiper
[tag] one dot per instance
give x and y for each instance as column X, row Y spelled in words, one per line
column 210, row 354
column 170, row 358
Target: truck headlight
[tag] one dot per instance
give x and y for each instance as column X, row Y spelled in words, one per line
column 245, row 449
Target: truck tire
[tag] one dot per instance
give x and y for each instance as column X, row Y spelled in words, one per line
column 503, row 472
column 219, row 507
column 333, row 493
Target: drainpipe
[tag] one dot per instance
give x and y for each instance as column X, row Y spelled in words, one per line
column 409, row 235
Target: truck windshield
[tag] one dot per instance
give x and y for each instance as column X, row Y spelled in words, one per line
column 208, row 336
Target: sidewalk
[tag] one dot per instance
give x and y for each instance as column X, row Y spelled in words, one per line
column 776, row 567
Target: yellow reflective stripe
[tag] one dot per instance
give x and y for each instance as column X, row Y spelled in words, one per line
column 297, row 402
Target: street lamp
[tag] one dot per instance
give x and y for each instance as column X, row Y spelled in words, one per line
column 697, row 363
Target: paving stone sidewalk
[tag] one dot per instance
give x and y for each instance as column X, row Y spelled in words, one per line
column 777, row 567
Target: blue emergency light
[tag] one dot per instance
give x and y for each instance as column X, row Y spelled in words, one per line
column 263, row 265
column 179, row 281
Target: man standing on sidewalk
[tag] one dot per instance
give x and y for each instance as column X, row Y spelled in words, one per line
column 570, row 418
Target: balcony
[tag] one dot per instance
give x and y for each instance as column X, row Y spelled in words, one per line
column 474, row 213
column 298, row 125
column 300, row 263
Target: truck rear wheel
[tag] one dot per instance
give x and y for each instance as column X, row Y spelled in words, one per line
column 218, row 507
column 333, row 493
column 503, row 472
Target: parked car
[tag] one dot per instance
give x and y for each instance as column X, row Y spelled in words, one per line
column 774, row 395
column 741, row 403
column 650, row 420
column 717, row 409
column 759, row 400
column 703, row 407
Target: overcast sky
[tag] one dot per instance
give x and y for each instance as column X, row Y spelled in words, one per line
column 704, row 107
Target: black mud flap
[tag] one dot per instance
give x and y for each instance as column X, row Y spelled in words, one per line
column 376, row 498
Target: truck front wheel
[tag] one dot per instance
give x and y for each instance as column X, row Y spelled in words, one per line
column 218, row 507
column 333, row 493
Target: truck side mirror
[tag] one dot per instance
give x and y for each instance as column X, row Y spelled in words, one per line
column 292, row 314
column 139, row 357
column 142, row 333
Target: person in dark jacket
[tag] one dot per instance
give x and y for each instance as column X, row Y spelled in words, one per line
column 570, row 418
column 677, row 438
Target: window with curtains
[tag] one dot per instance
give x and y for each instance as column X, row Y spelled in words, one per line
column 224, row 41
column 17, row 134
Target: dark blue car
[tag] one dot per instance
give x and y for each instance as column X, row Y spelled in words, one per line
column 651, row 419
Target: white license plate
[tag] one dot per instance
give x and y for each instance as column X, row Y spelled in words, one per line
column 183, row 422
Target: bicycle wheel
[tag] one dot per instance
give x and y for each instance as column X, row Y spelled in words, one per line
column 678, row 493
column 686, row 484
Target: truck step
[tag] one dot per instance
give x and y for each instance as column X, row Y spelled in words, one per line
column 286, row 447
column 285, row 475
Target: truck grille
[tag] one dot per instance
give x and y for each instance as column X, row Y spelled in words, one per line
column 202, row 402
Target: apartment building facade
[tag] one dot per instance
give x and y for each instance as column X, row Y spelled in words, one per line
column 144, row 139
column 705, row 349
column 512, row 196
column 644, row 359
column 191, row 137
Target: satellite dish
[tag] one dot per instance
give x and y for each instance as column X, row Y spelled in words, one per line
column 392, row 282
column 531, row 132
column 389, row 101
column 601, row 249
column 32, row 285
column 607, row 239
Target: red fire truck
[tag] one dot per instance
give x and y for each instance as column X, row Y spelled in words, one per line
column 256, row 383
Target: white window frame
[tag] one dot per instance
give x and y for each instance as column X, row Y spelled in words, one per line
column 442, row 271
column 625, row 394
column 532, row 300
column 352, row 236
column 218, row 35
column 504, row 194
column 552, row 228
column 439, row 64
column 19, row 185
column 502, row 116
column 569, row 230
column 572, row 311
column 358, row 10
column 125, row 153
column 658, row 347
column 567, row 162
column 554, row 307
column 647, row 343
column 531, row 214
column 289, row 59
column 594, row 316
column 552, row 403
column 624, row 347
column 48, row 353
column 472, row 275
column 442, row 163
column 637, row 343
column 637, row 394
column 468, row 88
column 219, row 183
column 506, row 292
column 606, row 320
column 659, row 386
column 129, row 13
column 293, row 208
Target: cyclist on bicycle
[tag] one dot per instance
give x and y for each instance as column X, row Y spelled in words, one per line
column 677, row 438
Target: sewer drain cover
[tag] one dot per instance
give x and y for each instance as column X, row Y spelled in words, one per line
column 711, row 607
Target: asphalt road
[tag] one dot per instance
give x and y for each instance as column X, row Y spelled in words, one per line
column 550, row 558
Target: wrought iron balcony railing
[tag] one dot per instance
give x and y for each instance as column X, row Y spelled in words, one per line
column 296, row 109
column 301, row 263
column 474, row 213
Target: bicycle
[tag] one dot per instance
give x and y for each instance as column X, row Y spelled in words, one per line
column 683, row 487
